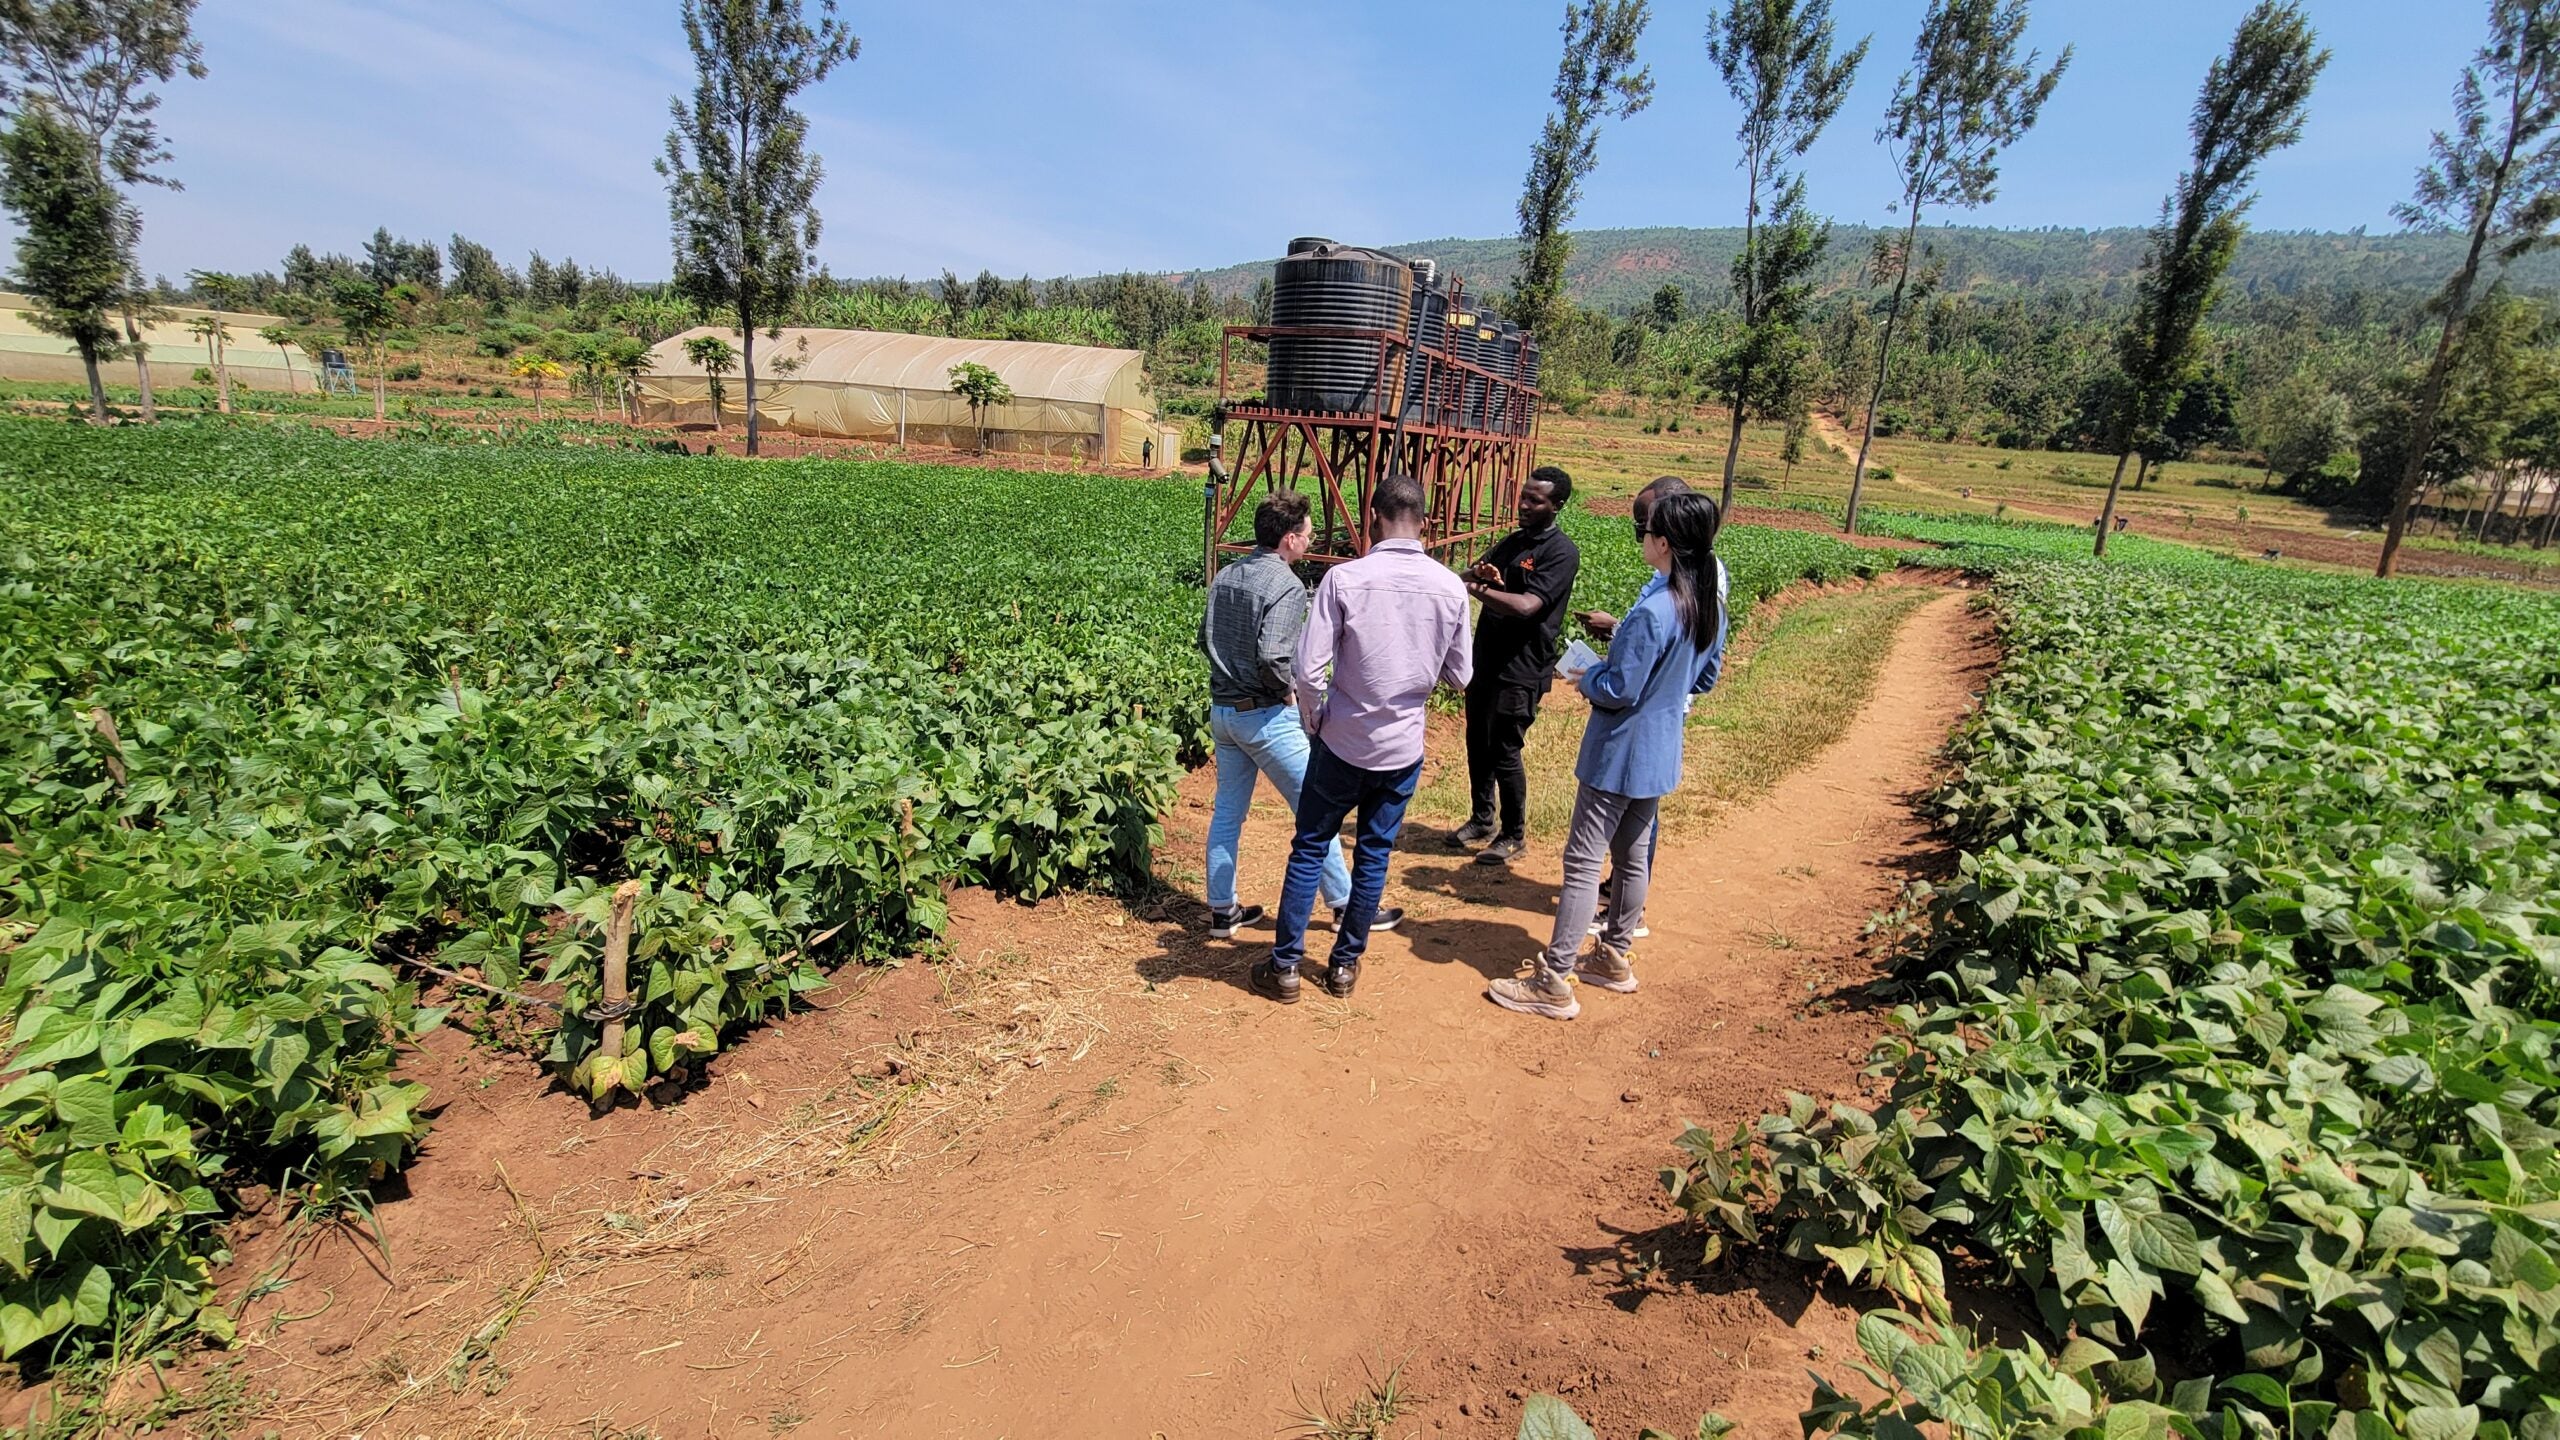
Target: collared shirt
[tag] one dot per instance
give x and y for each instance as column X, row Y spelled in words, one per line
column 1250, row 630
column 1518, row 652
column 1383, row 631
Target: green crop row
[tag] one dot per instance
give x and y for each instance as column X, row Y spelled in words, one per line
column 2231, row 1039
column 283, row 712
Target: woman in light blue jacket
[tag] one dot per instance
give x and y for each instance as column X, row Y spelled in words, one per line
column 1630, row 757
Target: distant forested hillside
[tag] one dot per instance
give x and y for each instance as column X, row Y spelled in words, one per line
column 1617, row 271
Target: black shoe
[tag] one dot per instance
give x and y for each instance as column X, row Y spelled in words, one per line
column 1341, row 980
column 1502, row 851
column 1474, row 832
column 1278, row 984
column 1387, row 918
column 1223, row 924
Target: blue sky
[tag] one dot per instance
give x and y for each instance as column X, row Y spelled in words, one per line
column 1151, row 134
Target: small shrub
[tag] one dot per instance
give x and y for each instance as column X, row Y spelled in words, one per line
column 410, row 371
column 203, row 375
column 496, row 344
column 501, row 392
column 1882, row 472
column 2003, row 465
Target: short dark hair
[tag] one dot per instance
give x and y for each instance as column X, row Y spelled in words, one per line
column 1278, row 517
column 1653, row 493
column 1554, row 478
column 1398, row 497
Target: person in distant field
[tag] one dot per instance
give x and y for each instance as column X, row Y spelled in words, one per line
column 1602, row 625
column 1250, row 634
column 1384, row 631
column 1523, row 582
column 1631, row 754
column 1146, row 454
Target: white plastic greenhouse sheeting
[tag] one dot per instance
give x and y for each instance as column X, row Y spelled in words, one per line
column 27, row 353
column 873, row 385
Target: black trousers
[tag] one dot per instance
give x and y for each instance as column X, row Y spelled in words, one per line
column 1498, row 721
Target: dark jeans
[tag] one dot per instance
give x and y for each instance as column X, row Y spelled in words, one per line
column 1498, row 722
column 1332, row 791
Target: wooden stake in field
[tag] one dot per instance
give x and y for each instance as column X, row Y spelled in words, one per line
column 617, row 971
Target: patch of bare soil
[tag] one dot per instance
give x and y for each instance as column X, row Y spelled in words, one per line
column 1077, row 1180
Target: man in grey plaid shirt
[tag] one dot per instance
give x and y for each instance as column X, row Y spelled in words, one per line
column 1256, row 608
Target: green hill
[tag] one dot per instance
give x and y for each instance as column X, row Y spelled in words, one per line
column 1615, row 270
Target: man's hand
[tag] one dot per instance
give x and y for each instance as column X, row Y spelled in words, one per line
column 1598, row 622
column 1486, row 573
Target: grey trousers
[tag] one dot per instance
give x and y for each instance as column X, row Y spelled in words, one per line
column 1607, row 830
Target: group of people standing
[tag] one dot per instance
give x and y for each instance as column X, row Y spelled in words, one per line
column 1325, row 698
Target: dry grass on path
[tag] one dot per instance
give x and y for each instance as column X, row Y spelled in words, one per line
column 1798, row 674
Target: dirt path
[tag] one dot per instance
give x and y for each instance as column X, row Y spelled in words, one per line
column 1129, row 1197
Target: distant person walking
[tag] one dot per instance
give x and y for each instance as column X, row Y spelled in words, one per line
column 1385, row 629
column 1631, row 754
column 1257, row 606
column 1524, row 582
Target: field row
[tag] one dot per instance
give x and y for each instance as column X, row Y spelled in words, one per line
column 285, row 713
column 2231, row 1042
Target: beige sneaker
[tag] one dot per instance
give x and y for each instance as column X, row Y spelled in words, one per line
column 1609, row 972
column 1544, row 995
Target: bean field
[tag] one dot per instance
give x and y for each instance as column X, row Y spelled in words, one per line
column 288, row 715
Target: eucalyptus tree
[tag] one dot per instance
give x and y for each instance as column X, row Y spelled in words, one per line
column 1777, row 60
column 1970, row 93
column 1597, row 79
column 2252, row 105
column 741, row 185
column 2496, row 178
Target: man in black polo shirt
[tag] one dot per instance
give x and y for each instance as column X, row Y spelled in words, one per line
column 1524, row 582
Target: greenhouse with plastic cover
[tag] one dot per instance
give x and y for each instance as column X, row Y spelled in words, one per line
column 1076, row 401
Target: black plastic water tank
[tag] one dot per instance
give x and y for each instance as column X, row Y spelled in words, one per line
column 1344, row 287
column 1507, row 401
column 1428, row 330
column 1478, row 346
column 1305, row 243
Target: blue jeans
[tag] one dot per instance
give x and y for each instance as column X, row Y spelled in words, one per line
column 1252, row 743
column 1333, row 791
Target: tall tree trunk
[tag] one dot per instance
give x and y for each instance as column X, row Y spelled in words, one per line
column 2422, row 426
column 141, row 369
column 97, row 387
column 381, row 362
column 221, row 371
column 747, row 361
column 2550, row 514
column 2141, row 471
column 1750, row 317
column 2497, row 502
column 2107, row 516
column 1884, row 359
column 1732, row 454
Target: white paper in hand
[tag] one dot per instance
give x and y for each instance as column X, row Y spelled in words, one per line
column 1578, row 657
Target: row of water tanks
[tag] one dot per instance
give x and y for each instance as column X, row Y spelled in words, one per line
column 1322, row 284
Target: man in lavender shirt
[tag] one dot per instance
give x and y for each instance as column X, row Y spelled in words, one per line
column 1384, row 630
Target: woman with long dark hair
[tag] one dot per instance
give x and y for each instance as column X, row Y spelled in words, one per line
column 1630, row 758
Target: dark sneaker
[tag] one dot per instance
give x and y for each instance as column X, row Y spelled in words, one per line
column 1223, row 924
column 1387, row 918
column 1474, row 832
column 1341, row 980
column 1537, row 994
column 1502, row 851
column 1278, row 984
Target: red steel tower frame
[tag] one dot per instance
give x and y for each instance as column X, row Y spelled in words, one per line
column 1471, row 474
